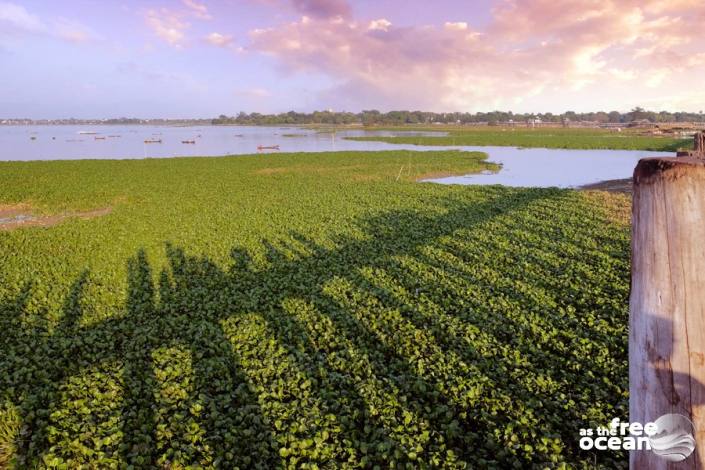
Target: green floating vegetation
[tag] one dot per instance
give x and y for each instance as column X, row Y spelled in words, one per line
column 541, row 138
column 308, row 311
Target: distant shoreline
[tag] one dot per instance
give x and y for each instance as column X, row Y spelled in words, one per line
column 613, row 186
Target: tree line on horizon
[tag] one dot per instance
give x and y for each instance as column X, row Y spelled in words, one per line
column 375, row 117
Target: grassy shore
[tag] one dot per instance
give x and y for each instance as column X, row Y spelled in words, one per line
column 300, row 310
column 538, row 137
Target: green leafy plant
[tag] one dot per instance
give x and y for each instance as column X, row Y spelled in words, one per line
column 542, row 138
column 308, row 311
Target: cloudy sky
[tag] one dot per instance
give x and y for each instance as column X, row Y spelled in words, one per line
column 201, row 58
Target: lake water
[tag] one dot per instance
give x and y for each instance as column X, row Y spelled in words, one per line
column 520, row 167
column 128, row 142
column 554, row 167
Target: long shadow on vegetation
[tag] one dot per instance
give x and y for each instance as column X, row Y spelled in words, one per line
column 354, row 371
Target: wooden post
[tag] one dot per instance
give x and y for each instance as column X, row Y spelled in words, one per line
column 667, row 302
column 700, row 144
column 698, row 147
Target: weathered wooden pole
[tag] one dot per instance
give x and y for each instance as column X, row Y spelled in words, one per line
column 698, row 147
column 667, row 303
column 700, row 144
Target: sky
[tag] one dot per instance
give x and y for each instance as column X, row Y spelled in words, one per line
column 203, row 58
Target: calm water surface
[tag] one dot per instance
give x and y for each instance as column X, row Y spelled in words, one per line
column 554, row 167
column 520, row 167
column 72, row 142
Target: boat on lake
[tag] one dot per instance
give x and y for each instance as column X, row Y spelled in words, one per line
column 153, row 141
column 267, row 147
column 188, row 141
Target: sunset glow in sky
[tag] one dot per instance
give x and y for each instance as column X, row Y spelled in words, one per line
column 201, row 58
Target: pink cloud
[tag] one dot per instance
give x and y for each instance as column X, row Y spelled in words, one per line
column 73, row 32
column 167, row 25
column 16, row 19
column 377, row 63
column 222, row 40
column 531, row 49
column 199, row 10
column 218, row 39
column 171, row 25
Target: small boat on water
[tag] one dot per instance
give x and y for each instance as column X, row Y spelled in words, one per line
column 188, row 141
column 267, row 147
column 153, row 141
column 87, row 132
column 114, row 136
column 99, row 138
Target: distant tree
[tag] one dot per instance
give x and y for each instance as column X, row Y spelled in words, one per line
column 637, row 114
column 570, row 116
column 602, row 117
column 371, row 117
column 401, row 117
column 615, row 116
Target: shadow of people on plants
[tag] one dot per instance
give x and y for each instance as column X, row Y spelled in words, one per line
column 39, row 363
column 336, row 383
column 30, row 371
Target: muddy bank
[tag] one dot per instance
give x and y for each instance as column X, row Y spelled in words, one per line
column 21, row 215
column 613, row 186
